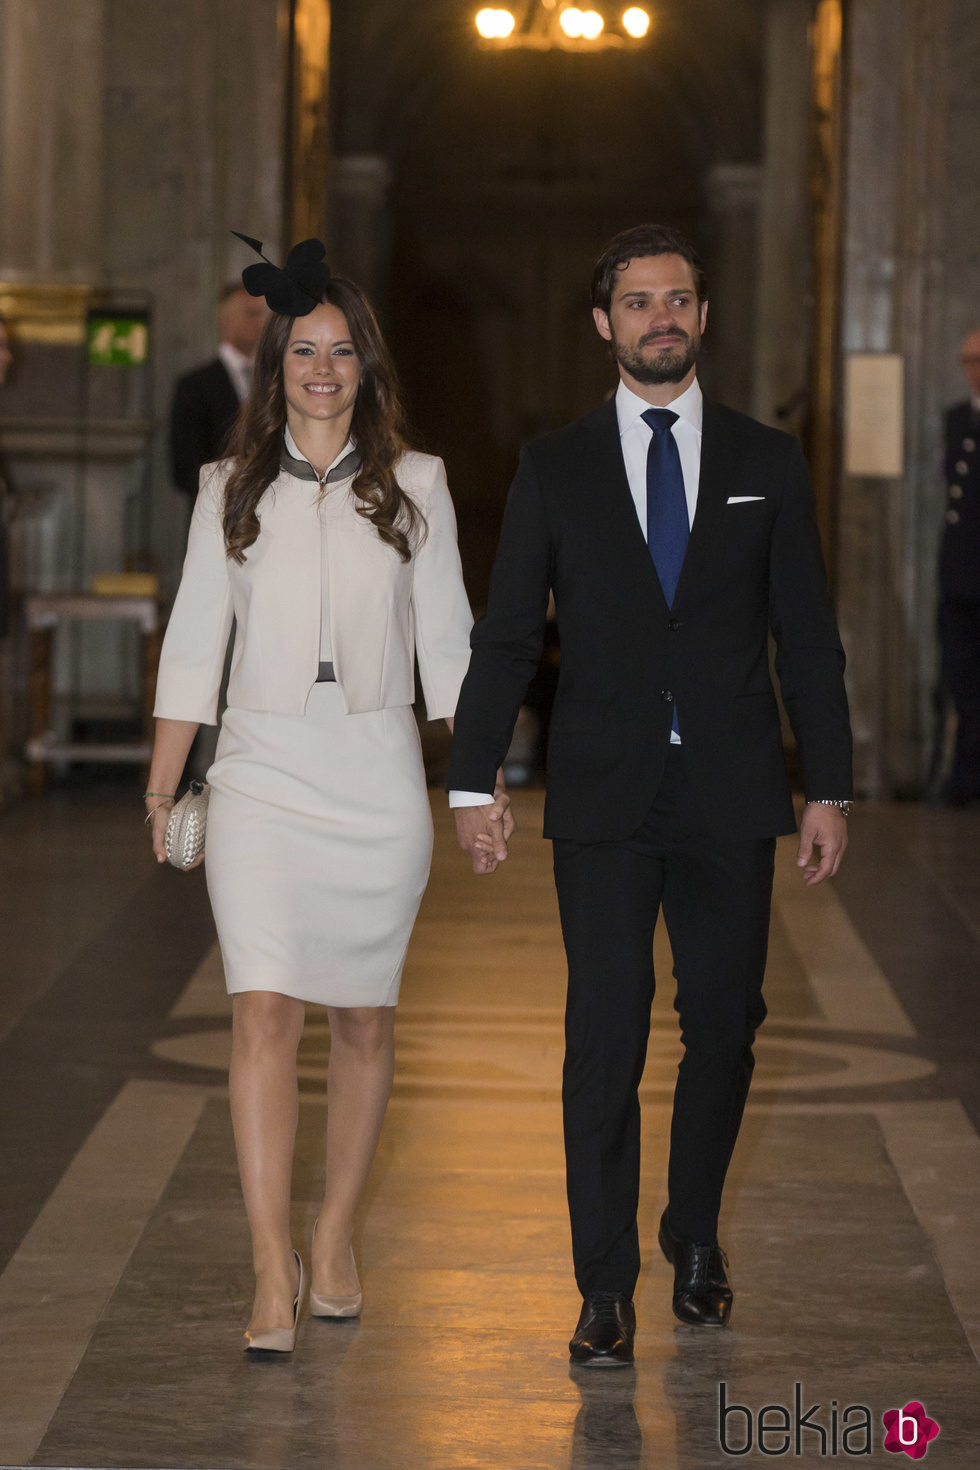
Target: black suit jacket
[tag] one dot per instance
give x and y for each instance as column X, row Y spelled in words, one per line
column 627, row 659
column 204, row 408
column 959, row 555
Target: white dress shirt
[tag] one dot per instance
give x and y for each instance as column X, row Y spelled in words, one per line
column 634, row 437
column 239, row 369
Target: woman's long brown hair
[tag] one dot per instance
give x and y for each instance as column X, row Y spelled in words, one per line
column 378, row 427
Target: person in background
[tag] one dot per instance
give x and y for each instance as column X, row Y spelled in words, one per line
column 959, row 581
column 205, row 405
column 207, row 399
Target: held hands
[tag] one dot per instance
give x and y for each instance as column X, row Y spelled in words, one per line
column 484, row 831
column 823, row 828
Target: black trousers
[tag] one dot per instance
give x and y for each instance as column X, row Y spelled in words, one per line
column 716, row 899
column 959, row 633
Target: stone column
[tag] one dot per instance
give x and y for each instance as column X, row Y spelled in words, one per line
column 307, row 139
column 895, row 94
column 51, row 140
column 134, row 137
column 782, row 334
column 195, row 112
column 733, row 191
column 50, row 245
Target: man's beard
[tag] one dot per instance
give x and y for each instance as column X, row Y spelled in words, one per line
column 668, row 365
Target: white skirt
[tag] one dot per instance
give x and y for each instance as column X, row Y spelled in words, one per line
column 318, row 849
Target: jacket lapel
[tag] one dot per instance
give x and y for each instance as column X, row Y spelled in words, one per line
column 713, row 486
column 605, row 467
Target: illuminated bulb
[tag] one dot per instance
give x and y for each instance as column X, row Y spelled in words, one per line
column 636, row 22
column 592, row 24
column 572, row 23
column 494, row 25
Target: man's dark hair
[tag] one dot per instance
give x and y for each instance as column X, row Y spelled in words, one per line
column 640, row 241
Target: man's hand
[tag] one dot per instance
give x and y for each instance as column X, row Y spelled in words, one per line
column 823, row 828
column 483, row 831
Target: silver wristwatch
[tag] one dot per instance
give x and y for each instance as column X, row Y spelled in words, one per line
column 844, row 807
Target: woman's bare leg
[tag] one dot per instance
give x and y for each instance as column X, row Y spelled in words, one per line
column 362, row 1065
column 266, row 1029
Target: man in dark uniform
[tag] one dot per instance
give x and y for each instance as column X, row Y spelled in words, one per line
column 959, row 581
column 206, row 400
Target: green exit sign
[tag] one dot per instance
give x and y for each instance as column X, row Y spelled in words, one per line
column 119, row 341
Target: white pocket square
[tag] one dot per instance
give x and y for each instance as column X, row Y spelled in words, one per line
column 741, row 499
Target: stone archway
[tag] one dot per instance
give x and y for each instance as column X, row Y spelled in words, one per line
column 496, row 177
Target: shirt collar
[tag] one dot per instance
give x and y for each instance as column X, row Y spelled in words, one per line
column 689, row 406
column 346, row 463
column 233, row 359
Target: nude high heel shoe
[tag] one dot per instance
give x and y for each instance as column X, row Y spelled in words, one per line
column 279, row 1339
column 337, row 1307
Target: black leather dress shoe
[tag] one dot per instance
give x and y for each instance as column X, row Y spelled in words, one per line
column 702, row 1295
column 605, row 1332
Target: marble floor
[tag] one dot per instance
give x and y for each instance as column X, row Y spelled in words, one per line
column 850, row 1220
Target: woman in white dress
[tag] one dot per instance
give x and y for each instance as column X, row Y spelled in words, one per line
column 334, row 548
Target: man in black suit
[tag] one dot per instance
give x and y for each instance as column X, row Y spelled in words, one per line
column 959, row 581
column 674, row 534
column 207, row 399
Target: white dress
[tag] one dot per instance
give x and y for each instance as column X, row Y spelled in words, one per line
column 319, row 842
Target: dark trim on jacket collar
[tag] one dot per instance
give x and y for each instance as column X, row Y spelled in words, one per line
column 303, row 470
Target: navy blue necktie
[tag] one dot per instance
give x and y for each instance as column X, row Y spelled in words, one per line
column 667, row 524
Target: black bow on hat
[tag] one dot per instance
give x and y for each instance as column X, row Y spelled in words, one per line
column 293, row 289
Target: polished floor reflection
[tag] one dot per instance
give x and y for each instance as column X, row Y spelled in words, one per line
column 850, row 1220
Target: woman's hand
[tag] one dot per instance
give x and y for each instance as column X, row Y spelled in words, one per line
column 171, row 746
column 157, row 817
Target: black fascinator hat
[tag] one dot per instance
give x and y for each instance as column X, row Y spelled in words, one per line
column 293, row 289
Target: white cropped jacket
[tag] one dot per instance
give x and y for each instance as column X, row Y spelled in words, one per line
column 383, row 611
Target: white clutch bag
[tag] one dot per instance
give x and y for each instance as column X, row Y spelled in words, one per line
column 187, row 825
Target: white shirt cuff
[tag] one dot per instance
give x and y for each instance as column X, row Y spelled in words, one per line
column 470, row 798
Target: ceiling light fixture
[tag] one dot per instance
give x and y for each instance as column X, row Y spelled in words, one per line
column 544, row 25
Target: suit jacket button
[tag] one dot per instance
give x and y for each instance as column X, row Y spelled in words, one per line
column 666, row 696
column 962, row 468
column 969, row 445
column 952, row 516
column 673, row 625
column 956, row 492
